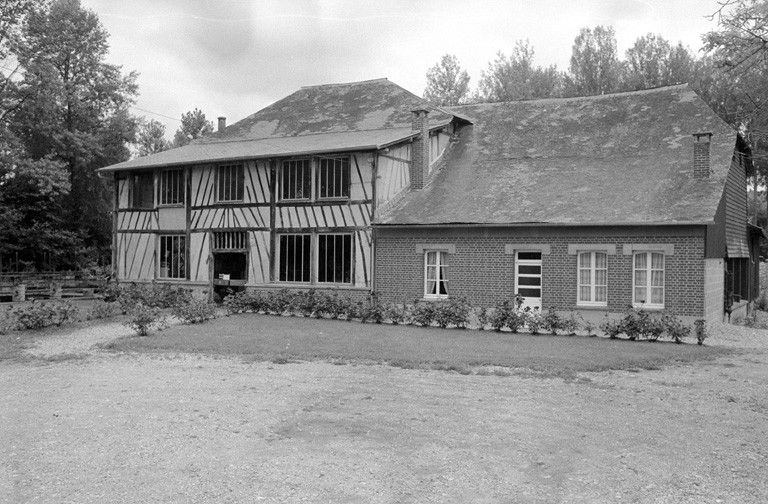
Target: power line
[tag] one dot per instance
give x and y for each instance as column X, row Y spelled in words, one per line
column 156, row 113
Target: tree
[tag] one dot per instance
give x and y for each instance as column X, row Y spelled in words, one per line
column 595, row 67
column 515, row 77
column 193, row 126
column 652, row 62
column 73, row 110
column 447, row 82
column 151, row 137
column 737, row 84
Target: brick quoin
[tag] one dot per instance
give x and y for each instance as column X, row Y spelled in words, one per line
column 482, row 272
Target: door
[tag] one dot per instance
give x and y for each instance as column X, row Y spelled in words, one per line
column 528, row 278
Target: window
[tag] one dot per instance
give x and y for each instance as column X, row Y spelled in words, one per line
column 334, row 258
column 435, row 279
column 230, row 255
column 648, row 281
column 296, row 180
column 230, row 183
column 143, row 190
column 295, row 257
column 172, row 187
column 173, row 250
column 737, row 279
column 333, row 178
column 593, row 279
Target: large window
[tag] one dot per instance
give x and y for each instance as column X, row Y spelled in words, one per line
column 296, row 180
column 435, row 278
column 230, row 183
column 142, row 190
column 334, row 258
column 648, row 280
column 230, row 255
column 593, row 279
column 173, row 251
column 295, row 258
column 333, row 178
column 172, row 187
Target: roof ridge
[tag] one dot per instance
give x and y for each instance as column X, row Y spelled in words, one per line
column 583, row 97
column 353, row 83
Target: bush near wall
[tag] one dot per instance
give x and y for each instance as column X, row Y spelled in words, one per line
column 456, row 312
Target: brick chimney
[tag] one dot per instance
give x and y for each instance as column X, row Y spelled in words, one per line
column 222, row 123
column 701, row 143
column 420, row 148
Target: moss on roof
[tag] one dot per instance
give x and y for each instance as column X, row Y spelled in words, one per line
column 624, row 158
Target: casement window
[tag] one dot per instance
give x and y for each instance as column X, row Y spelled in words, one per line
column 171, row 187
column 648, row 280
column 173, row 251
column 333, row 178
column 296, row 179
column 295, row 258
column 142, row 190
column 334, row 258
column 230, row 183
column 435, row 274
column 593, row 279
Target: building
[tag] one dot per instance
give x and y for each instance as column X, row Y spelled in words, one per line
column 592, row 203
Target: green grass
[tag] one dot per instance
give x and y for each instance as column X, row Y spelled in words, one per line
column 285, row 340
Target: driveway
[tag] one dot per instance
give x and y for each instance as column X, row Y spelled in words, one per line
column 181, row 428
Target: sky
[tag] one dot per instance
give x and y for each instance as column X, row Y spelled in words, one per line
column 233, row 57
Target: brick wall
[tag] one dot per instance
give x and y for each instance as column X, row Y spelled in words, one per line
column 481, row 271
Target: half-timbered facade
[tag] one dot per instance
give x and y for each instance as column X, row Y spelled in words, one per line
column 284, row 198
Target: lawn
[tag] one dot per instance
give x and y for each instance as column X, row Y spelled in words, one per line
column 281, row 339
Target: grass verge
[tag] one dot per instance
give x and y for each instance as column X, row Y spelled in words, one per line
column 284, row 339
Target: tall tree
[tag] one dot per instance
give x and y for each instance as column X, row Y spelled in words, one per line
column 737, row 84
column 447, row 82
column 595, row 67
column 516, row 77
column 151, row 137
column 652, row 62
column 75, row 110
column 193, row 126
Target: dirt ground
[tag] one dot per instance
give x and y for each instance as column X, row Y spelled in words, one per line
column 179, row 428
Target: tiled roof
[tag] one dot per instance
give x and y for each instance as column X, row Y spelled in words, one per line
column 326, row 118
column 625, row 158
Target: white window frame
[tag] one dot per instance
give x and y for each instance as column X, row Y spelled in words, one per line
column 166, row 176
column 441, row 267
column 648, row 279
column 592, row 268
column 182, row 250
column 330, row 175
column 239, row 183
column 351, row 236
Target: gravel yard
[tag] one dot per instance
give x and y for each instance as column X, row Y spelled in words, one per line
column 169, row 427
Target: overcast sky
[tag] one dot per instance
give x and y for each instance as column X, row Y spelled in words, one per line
column 233, row 57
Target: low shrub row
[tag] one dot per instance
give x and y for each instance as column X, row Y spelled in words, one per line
column 153, row 295
column 456, row 312
column 638, row 324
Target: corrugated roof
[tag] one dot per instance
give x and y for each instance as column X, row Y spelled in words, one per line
column 326, row 118
column 625, row 158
